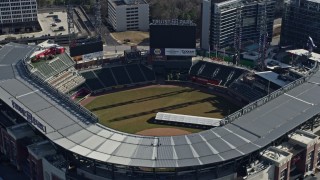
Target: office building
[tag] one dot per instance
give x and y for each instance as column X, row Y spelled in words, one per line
column 219, row 21
column 18, row 16
column 128, row 15
column 300, row 20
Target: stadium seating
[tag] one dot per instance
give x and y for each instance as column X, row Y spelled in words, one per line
column 39, row 74
column 195, row 68
column 72, row 83
column 58, row 65
column 118, row 75
column 106, row 77
column 135, row 73
column 237, row 73
column 46, row 70
column 66, row 59
column 148, row 73
column 55, row 81
column 121, row 75
column 92, row 80
column 246, row 91
column 222, row 74
column 66, row 80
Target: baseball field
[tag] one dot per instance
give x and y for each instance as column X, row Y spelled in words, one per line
column 131, row 110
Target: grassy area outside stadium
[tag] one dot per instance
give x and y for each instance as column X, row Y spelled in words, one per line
column 131, row 110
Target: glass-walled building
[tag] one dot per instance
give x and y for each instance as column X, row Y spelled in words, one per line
column 222, row 18
column 301, row 19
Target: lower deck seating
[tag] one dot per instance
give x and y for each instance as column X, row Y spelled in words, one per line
column 221, row 73
column 105, row 75
column 148, row 73
column 92, row 80
column 135, row 73
column 121, row 75
column 118, row 75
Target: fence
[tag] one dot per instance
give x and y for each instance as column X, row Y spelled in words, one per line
column 248, row 108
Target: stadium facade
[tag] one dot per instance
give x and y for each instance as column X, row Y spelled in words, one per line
column 18, row 16
column 300, row 20
column 219, row 21
column 94, row 151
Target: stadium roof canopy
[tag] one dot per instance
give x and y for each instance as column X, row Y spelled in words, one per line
column 192, row 120
column 272, row 77
column 65, row 125
column 273, row 64
column 301, row 52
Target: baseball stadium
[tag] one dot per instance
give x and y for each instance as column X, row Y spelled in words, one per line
column 120, row 122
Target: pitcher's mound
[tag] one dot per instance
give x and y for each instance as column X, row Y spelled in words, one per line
column 163, row 132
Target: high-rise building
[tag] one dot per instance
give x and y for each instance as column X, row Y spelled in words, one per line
column 126, row 15
column 219, row 21
column 18, row 16
column 301, row 19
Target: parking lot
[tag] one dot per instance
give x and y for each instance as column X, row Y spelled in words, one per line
column 50, row 26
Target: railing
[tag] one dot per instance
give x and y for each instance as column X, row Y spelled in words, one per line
column 248, row 108
column 49, row 88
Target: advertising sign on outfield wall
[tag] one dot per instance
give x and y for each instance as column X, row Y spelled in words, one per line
column 179, row 52
column 92, row 56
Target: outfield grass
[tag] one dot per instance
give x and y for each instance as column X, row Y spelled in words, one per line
column 129, row 111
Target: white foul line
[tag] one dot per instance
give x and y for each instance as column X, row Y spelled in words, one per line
column 27, row 93
column 299, row 99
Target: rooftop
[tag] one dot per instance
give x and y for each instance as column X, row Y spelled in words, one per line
column 303, row 138
column 20, row 131
column 128, row 2
column 57, row 160
column 275, row 155
column 180, row 118
column 303, row 52
column 255, row 168
column 315, row 1
column 288, row 147
column 273, row 64
column 13, row 52
column 41, row 149
column 28, row 140
column 272, row 77
column 278, row 156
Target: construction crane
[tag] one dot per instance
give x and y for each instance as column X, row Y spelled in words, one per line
column 71, row 29
column 98, row 20
column 238, row 35
column 263, row 40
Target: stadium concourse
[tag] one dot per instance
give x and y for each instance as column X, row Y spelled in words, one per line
column 98, row 151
